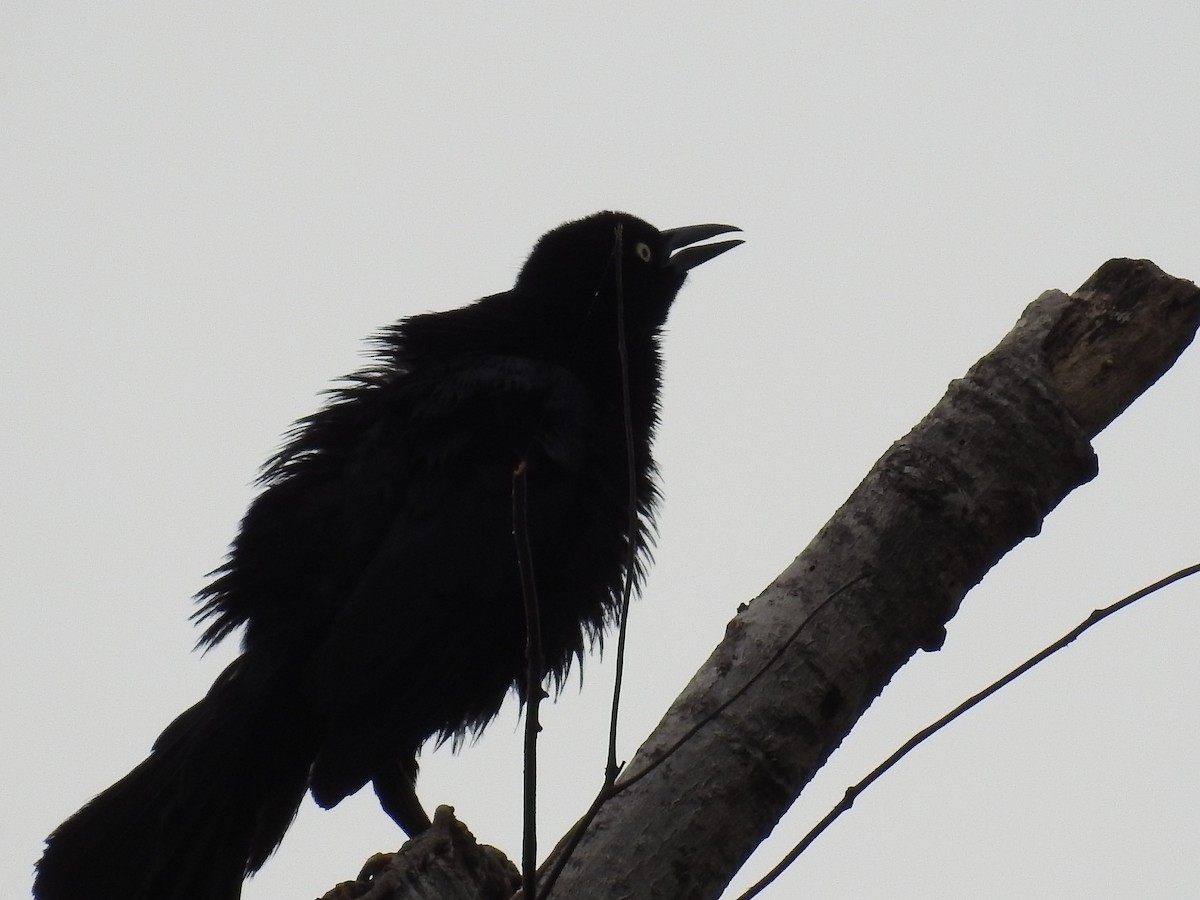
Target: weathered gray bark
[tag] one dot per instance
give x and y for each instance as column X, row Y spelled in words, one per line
column 801, row 663
column 443, row 863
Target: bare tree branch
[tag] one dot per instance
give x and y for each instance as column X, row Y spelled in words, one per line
column 976, row 477
column 442, row 863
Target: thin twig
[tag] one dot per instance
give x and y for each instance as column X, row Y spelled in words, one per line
column 853, row 793
column 572, row 838
column 611, row 768
column 610, row 788
column 534, row 670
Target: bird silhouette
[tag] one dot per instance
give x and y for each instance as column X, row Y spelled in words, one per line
column 375, row 578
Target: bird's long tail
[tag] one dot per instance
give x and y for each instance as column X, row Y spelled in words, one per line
column 203, row 811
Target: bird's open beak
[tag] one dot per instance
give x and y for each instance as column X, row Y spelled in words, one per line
column 690, row 257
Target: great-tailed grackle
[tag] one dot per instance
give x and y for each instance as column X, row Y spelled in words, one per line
column 376, row 576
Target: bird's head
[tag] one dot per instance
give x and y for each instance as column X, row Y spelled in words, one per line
column 584, row 259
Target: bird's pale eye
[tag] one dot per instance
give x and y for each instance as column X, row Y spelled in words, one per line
column 643, row 251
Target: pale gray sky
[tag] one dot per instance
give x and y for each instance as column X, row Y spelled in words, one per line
column 206, row 207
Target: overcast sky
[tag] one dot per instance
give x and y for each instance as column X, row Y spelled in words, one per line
column 206, row 207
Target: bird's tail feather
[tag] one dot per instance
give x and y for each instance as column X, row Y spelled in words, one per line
column 204, row 810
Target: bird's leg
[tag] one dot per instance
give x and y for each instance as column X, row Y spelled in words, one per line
column 394, row 786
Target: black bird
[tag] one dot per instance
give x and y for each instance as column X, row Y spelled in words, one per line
column 376, row 577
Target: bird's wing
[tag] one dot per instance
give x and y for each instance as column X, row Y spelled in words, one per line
column 432, row 635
